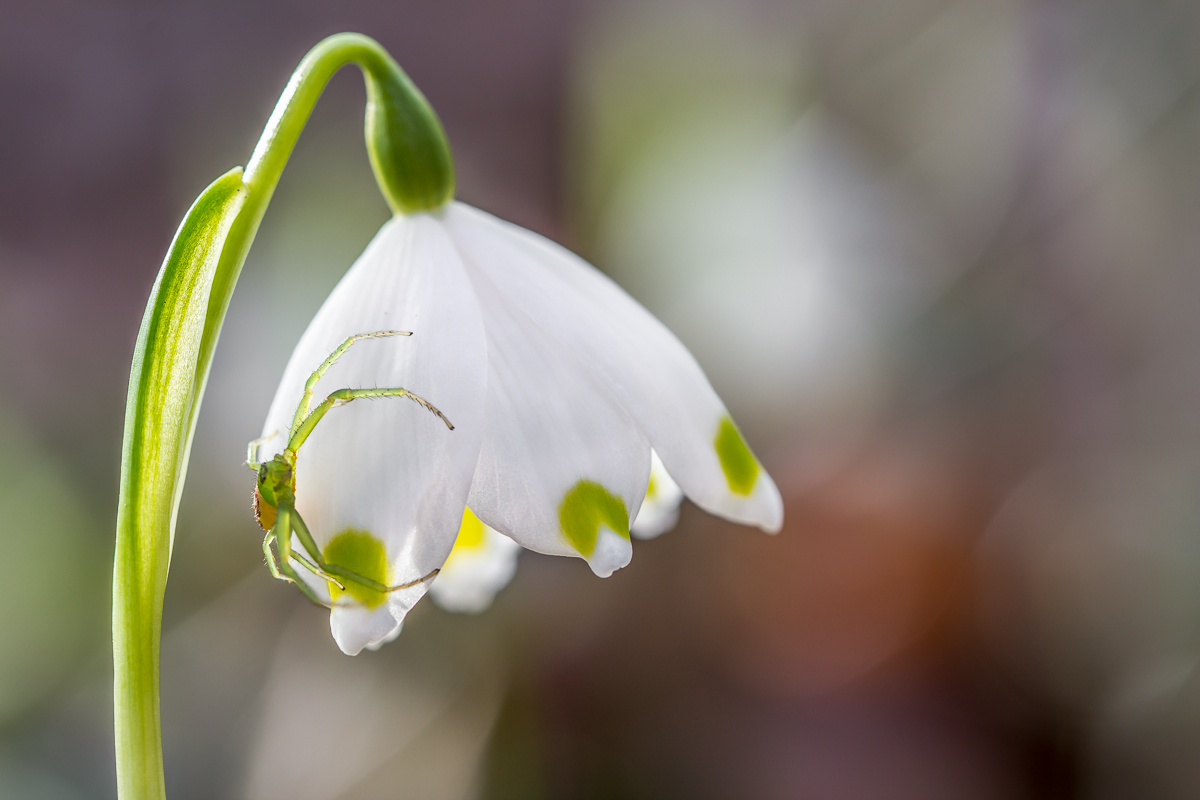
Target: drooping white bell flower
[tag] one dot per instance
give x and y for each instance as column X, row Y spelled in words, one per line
column 482, row 563
column 557, row 382
column 660, row 508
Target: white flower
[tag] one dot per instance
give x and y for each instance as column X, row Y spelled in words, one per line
column 660, row 508
column 482, row 563
column 558, row 385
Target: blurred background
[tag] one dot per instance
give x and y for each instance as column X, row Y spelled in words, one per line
column 938, row 256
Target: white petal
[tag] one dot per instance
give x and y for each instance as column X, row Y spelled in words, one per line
column 355, row 627
column 391, row 637
column 482, row 563
column 559, row 451
column 613, row 551
column 642, row 363
column 388, row 466
column 660, row 509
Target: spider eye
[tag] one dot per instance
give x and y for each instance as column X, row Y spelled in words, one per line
column 262, row 472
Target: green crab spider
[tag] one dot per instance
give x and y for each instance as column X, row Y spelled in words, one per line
column 275, row 491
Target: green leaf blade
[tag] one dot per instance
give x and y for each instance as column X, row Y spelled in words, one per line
column 165, row 384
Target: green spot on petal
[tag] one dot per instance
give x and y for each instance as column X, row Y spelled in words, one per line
column 587, row 506
column 358, row 550
column 737, row 462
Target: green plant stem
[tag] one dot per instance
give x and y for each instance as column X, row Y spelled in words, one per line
column 175, row 347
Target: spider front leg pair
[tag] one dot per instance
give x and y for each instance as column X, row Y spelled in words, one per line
column 275, row 491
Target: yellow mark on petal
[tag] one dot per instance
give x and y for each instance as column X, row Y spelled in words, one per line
column 737, row 462
column 587, row 506
column 470, row 537
column 470, row 533
column 357, row 550
column 651, row 489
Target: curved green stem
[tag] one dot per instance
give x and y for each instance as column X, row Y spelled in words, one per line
column 405, row 141
column 175, row 346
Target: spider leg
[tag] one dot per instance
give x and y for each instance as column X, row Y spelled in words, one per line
column 269, row 555
column 253, row 448
column 350, row 575
column 343, row 396
column 311, row 384
column 283, row 569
